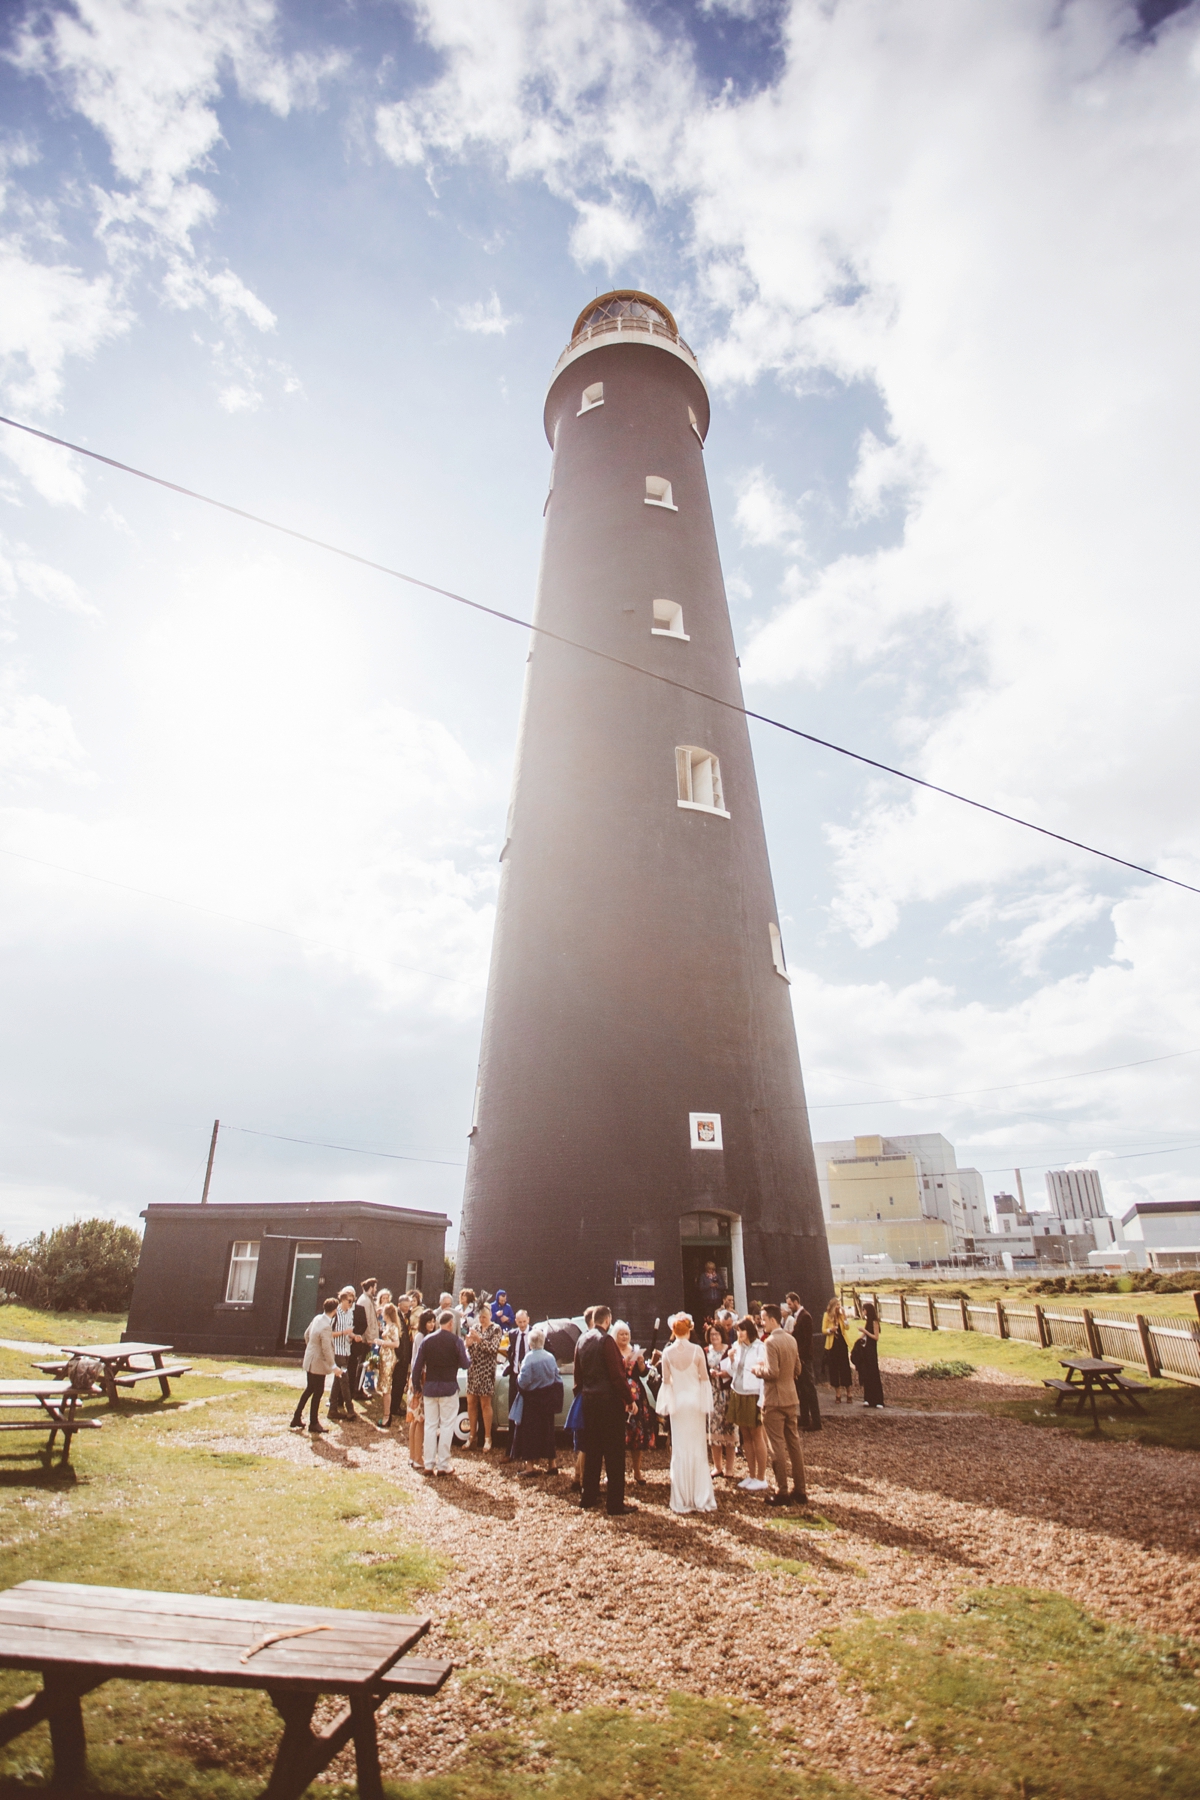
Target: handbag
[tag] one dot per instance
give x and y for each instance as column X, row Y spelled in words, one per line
column 856, row 1355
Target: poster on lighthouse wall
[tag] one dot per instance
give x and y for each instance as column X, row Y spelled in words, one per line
column 705, row 1130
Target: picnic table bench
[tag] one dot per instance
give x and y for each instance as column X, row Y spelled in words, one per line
column 117, row 1361
column 53, row 1401
column 79, row 1637
column 1096, row 1376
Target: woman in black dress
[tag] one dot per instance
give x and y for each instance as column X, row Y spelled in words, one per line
column 837, row 1351
column 866, row 1358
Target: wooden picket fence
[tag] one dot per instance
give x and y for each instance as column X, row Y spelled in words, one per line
column 1167, row 1347
column 25, row 1283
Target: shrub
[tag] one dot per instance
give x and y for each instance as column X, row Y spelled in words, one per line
column 944, row 1371
column 87, row 1266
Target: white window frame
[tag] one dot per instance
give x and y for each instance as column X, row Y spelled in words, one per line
column 689, row 759
column 776, row 937
column 238, row 1264
column 592, row 397
column 709, row 1120
column 668, row 620
column 658, row 493
column 412, row 1276
column 692, row 421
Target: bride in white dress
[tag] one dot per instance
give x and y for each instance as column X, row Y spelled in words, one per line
column 685, row 1397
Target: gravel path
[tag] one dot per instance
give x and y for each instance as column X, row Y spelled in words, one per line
column 922, row 1505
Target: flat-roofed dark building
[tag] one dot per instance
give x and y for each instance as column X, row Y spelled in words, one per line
column 246, row 1280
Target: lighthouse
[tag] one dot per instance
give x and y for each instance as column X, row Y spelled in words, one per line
column 640, row 1135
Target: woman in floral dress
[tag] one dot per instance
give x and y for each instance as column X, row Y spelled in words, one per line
column 483, row 1347
column 722, row 1434
column 641, row 1426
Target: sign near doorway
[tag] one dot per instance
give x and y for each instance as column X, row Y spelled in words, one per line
column 634, row 1274
column 705, row 1130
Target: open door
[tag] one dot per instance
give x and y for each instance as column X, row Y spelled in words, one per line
column 306, row 1292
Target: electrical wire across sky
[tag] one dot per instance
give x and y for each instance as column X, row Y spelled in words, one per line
column 493, row 612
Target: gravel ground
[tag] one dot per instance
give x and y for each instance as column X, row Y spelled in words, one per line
column 923, row 1505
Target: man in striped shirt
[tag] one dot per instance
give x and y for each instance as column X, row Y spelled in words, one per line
column 340, row 1406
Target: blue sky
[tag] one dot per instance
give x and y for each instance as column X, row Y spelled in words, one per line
column 940, row 267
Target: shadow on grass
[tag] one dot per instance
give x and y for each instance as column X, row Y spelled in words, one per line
column 1171, row 1418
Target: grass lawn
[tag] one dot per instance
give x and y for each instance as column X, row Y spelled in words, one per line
column 29, row 1323
column 1024, row 1694
column 143, row 1507
column 986, row 1292
column 1172, row 1408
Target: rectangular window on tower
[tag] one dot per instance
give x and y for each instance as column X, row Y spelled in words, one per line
column 668, row 620
column 694, row 423
column 592, row 397
column 699, row 776
column 658, row 492
column 777, row 952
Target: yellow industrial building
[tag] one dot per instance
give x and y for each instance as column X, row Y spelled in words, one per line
column 881, row 1204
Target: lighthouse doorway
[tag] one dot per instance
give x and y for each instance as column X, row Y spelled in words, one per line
column 711, row 1246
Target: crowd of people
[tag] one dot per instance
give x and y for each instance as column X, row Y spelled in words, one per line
column 733, row 1383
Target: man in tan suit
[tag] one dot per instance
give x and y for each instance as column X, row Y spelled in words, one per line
column 781, row 1410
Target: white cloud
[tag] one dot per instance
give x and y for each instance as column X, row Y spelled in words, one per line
column 764, row 516
column 37, row 738
column 23, row 572
column 484, row 316
column 605, row 232
column 147, row 76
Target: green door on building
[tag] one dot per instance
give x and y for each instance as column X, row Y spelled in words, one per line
column 306, row 1297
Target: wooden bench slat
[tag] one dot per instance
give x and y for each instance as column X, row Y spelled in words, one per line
column 76, row 1596
column 1063, row 1387
column 292, row 1663
column 236, row 1634
column 130, row 1377
column 416, row 1675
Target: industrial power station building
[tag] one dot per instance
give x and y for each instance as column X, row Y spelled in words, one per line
column 640, row 1132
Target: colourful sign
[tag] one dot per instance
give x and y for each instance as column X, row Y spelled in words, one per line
column 634, row 1274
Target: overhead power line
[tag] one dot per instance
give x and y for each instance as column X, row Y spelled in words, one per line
column 493, row 612
column 351, row 1149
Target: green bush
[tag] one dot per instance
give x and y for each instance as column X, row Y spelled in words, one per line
column 943, row 1371
column 1137, row 1281
column 87, row 1266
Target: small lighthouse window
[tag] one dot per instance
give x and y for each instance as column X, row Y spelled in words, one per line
column 658, row 492
column 694, row 423
column 777, row 952
column 592, row 396
column 668, row 620
column 699, row 777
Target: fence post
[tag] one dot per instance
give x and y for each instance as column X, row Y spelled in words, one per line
column 966, row 1317
column 933, row 1320
column 1043, row 1334
column 1153, row 1367
column 1196, row 1303
column 1001, row 1321
column 903, row 1313
column 1093, row 1336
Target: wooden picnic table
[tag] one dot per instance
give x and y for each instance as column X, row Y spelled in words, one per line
column 1096, row 1376
column 79, row 1637
column 118, row 1364
column 53, row 1403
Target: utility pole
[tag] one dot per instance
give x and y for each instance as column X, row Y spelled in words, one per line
column 212, row 1151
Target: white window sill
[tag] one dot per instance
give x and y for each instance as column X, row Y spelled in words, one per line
column 662, row 631
column 591, row 408
column 667, row 505
column 717, row 812
column 696, row 429
column 784, row 976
